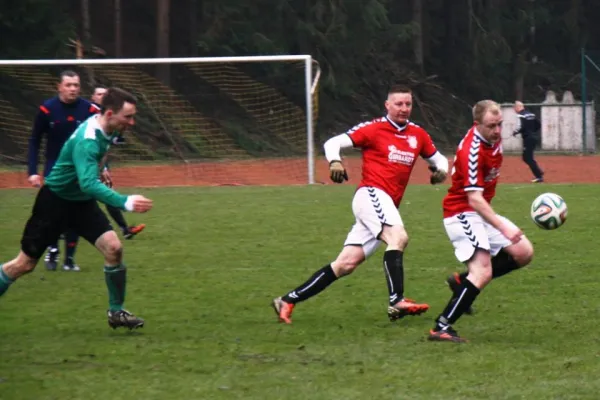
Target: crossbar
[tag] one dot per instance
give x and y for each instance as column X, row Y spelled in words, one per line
column 176, row 60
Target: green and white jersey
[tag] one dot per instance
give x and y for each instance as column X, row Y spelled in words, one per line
column 75, row 176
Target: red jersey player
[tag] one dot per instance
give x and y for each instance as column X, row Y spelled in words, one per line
column 390, row 147
column 489, row 244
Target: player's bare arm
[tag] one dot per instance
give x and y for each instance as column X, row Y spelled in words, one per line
column 333, row 147
column 105, row 176
column 483, row 208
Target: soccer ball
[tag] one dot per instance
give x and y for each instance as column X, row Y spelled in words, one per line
column 549, row 211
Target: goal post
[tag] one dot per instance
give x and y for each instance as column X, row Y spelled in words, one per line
column 213, row 120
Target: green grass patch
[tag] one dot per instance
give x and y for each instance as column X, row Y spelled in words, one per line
column 203, row 273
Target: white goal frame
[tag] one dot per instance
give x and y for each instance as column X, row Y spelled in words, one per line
column 310, row 83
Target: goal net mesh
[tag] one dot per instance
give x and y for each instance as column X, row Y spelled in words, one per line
column 241, row 123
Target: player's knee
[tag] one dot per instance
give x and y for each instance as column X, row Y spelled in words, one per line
column 114, row 251
column 346, row 263
column 480, row 276
column 343, row 267
column 402, row 240
column 480, row 269
column 110, row 246
column 395, row 237
column 22, row 265
column 523, row 254
column 26, row 266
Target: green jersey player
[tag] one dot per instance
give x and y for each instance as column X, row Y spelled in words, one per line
column 68, row 200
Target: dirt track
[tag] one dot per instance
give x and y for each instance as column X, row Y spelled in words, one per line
column 558, row 169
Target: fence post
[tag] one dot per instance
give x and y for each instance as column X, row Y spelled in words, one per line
column 583, row 101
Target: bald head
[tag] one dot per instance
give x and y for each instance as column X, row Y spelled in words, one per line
column 518, row 106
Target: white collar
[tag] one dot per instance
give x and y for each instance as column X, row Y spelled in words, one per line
column 98, row 127
column 400, row 128
column 476, row 132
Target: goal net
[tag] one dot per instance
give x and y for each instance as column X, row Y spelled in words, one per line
column 201, row 121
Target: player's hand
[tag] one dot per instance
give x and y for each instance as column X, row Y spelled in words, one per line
column 139, row 203
column 35, row 180
column 437, row 175
column 106, row 178
column 512, row 233
column 337, row 172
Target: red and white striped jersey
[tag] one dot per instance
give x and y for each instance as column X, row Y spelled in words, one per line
column 476, row 167
column 389, row 153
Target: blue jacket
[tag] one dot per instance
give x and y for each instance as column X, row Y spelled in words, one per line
column 528, row 124
column 57, row 120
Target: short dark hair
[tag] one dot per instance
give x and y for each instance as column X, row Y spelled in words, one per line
column 99, row 86
column 67, row 73
column 399, row 89
column 115, row 98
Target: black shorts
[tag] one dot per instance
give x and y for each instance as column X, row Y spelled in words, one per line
column 52, row 215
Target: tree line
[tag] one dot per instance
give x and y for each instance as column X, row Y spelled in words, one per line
column 452, row 52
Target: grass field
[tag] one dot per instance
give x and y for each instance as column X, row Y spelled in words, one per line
column 210, row 261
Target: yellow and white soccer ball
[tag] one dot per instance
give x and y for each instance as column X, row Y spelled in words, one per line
column 549, row 211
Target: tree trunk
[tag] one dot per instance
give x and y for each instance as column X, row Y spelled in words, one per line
column 193, row 28
column 86, row 24
column 162, row 39
column 470, row 19
column 87, row 38
column 520, row 70
column 494, row 15
column 417, row 12
column 532, row 32
column 118, row 30
column 573, row 18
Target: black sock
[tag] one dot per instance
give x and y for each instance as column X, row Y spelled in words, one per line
column 502, row 264
column 71, row 244
column 394, row 274
column 458, row 304
column 117, row 215
column 313, row 286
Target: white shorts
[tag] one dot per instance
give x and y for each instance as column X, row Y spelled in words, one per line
column 468, row 231
column 372, row 208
